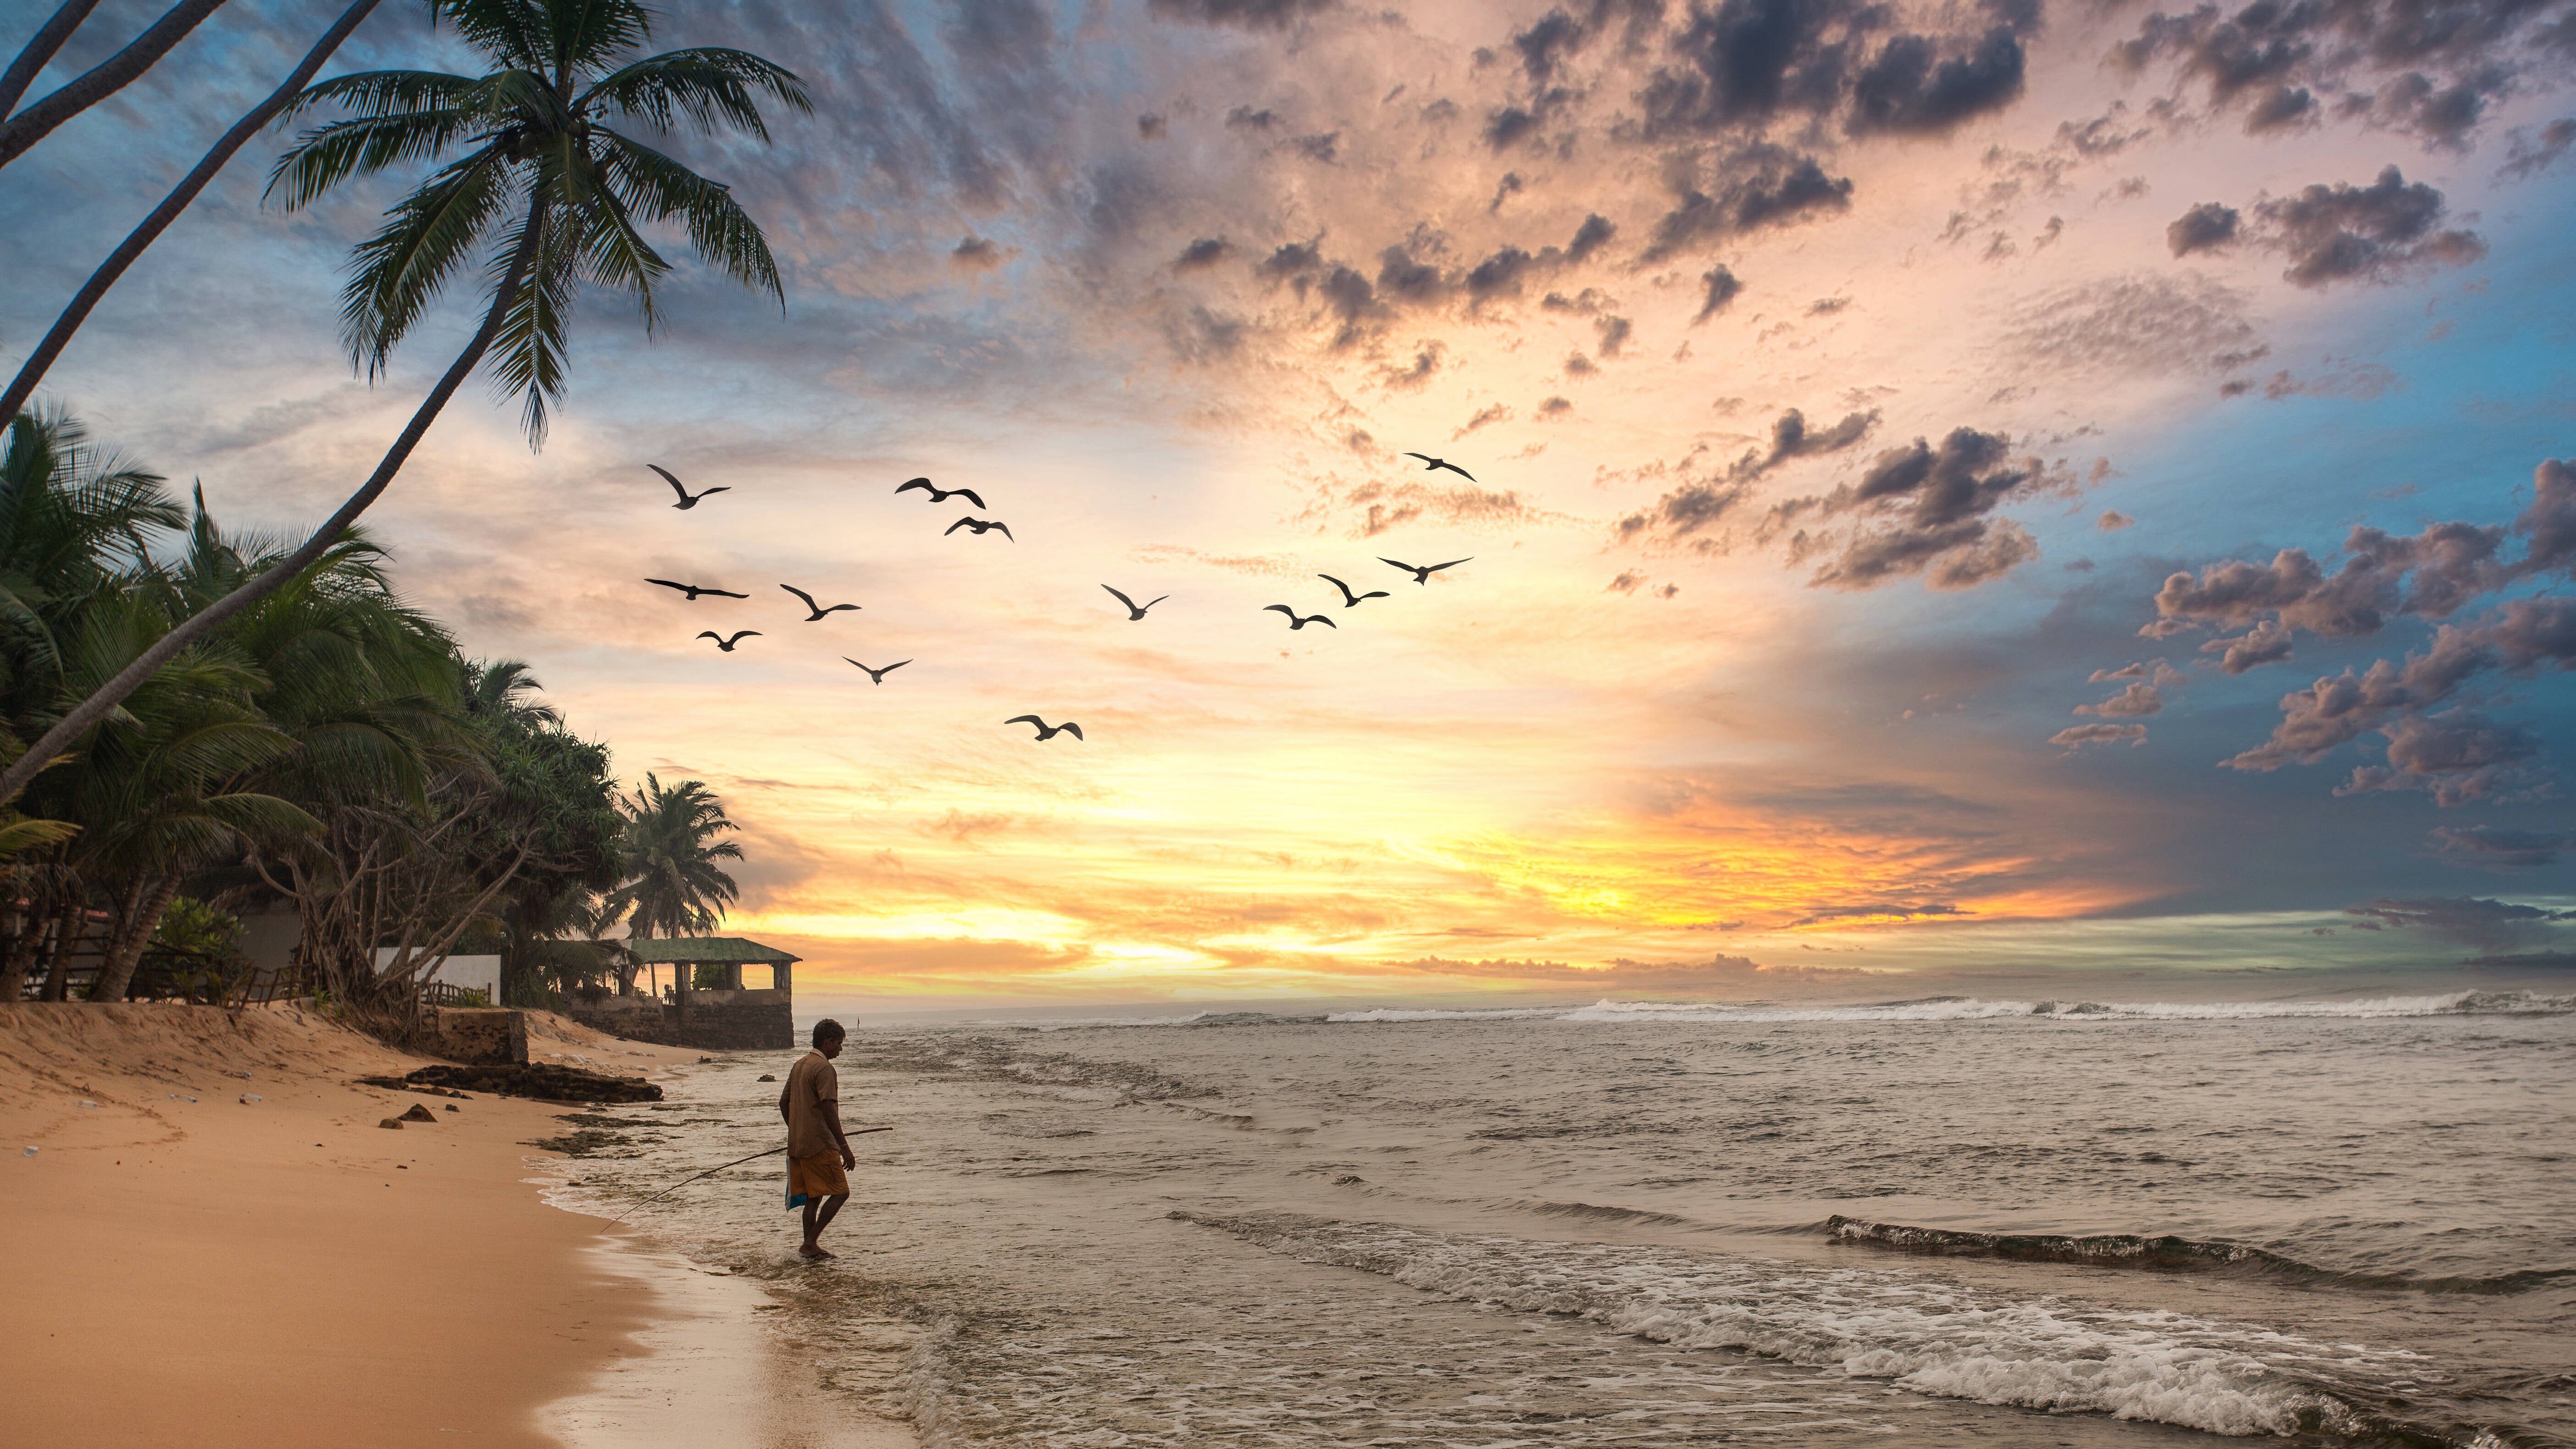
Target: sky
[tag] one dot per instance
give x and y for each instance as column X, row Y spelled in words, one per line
column 1960, row 492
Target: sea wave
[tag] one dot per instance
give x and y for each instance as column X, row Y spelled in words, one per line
column 1973, row 1008
column 2166, row 1251
column 1932, row 1337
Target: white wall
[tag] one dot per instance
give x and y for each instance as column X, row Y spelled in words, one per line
column 474, row 973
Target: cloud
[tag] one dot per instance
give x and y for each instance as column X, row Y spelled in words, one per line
column 1625, row 974
column 2137, row 700
column 2530, row 157
column 2467, row 920
column 2207, row 227
column 2378, row 232
column 2135, row 323
column 1909, row 91
column 1930, row 504
column 2342, row 378
column 1696, row 505
column 976, row 254
column 2493, row 847
column 1485, row 417
column 1245, row 14
column 1763, row 186
column 2157, row 673
column 2100, row 734
column 1744, row 66
column 1203, row 253
column 2265, row 643
column 1722, row 288
column 2113, row 520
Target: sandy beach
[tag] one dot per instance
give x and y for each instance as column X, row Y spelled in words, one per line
column 214, row 1243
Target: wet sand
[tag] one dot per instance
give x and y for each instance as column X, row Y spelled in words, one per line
column 187, row 1267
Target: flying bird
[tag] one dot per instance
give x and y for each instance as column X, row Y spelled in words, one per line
column 1135, row 611
column 687, row 499
column 1429, row 463
column 1295, row 622
column 693, row 590
column 1349, row 599
column 877, row 676
column 818, row 610
column 981, row 527
column 939, row 494
column 1422, row 572
column 726, row 644
column 1046, row 731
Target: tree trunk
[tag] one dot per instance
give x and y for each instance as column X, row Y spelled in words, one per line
column 31, row 61
column 198, row 625
column 70, row 929
column 28, row 935
column 179, row 199
column 105, row 79
column 145, row 902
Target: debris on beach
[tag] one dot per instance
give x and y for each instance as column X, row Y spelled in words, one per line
column 30, row 1152
column 769, row 1076
column 543, row 1081
column 248, row 1097
column 86, row 1103
column 419, row 1113
column 452, row 1107
column 390, row 1122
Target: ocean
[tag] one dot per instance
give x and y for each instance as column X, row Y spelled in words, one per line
column 1937, row 1221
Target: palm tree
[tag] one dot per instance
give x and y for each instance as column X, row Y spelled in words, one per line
column 672, row 884
column 548, row 192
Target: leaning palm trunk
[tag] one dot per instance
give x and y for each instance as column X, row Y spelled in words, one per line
column 105, row 79
column 87, row 714
column 40, row 48
column 138, row 918
column 179, row 200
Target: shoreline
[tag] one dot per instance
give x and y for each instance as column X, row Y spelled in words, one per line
column 225, row 1249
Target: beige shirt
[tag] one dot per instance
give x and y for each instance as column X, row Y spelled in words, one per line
column 811, row 1083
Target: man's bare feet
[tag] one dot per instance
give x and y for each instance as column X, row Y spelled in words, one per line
column 811, row 1251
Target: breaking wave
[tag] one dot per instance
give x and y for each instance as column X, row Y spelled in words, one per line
column 2139, row 1250
column 1931, row 1337
column 1972, row 1008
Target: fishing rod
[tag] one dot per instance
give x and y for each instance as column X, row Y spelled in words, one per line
column 712, row 1171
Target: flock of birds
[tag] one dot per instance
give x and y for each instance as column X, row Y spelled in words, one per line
column 816, row 611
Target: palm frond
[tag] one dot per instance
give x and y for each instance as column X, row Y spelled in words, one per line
column 527, row 357
column 584, row 34
column 383, row 93
column 328, row 155
column 658, row 188
column 711, row 87
column 400, row 270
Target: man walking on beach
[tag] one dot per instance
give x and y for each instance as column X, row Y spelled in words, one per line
column 818, row 1152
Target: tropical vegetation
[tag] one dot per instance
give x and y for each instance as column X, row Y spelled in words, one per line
column 329, row 752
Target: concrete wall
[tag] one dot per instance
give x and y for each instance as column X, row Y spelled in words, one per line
column 723, row 1021
column 481, row 1035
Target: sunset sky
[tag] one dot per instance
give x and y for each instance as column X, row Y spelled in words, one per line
column 1887, row 425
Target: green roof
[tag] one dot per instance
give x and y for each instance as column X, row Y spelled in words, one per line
column 707, row 951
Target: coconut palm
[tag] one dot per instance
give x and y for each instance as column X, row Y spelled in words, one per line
column 549, row 194
column 673, row 886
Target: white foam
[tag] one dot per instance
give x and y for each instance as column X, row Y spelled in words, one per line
column 1923, row 1334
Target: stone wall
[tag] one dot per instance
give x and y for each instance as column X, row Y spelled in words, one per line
column 480, row 1036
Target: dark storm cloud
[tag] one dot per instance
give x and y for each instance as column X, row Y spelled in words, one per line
column 2430, row 66
column 2494, row 847
column 2206, row 227
column 1722, row 289
column 2342, row 232
column 1925, row 513
column 1761, row 186
column 1246, row 14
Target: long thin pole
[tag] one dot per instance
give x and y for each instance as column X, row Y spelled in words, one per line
column 712, row 1171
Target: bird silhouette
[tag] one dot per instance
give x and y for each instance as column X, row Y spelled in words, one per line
column 1046, row 731
column 1429, row 463
column 687, row 499
column 1135, row 611
column 939, row 494
column 693, row 590
column 1422, row 572
column 726, row 644
column 980, row 526
column 876, row 676
column 818, row 610
column 1349, row 599
column 1295, row 622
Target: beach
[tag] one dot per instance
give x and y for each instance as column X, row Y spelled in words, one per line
column 226, row 1249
